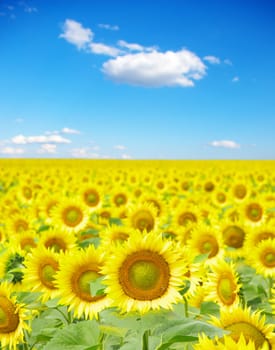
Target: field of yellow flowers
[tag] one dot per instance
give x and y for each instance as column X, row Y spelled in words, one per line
column 137, row 255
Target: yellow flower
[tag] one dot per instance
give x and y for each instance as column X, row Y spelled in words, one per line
column 57, row 239
column 227, row 343
column 70, row 214
column 221, row 284
column 142, row 217
column 251, row 324
column 13, row 318
column 263, row 257
column 206, row 240
column 78, row 269
column 40, row 273
column 144, row 273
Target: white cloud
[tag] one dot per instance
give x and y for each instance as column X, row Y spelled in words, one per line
column 235, row 79
column 225, row 144
column 30, row 9
column 212, row 59
column 80, row 152
column 155, row 69
column 70, row 131
column 19, row 120
column 47, row 148
column 76, row 34
column 12, row 150
column 134, row 46
column 22, row 140
column 120, row 147
column 227, row 61
column 108, row 26
column 126, row 156
column 102, row 49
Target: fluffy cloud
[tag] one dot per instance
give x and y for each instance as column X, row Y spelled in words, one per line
column 212, row 59
column 23, row 140
column 47, row 148
column 108, row 26
column 70, row 131
column 12, row 151
column 235, row 79
column 120, row 147
column 80, row 152
column 126, row 156
column 76, row 34
column 155, row 69
column 134, row 46
column 102, row 49
column 225, row 144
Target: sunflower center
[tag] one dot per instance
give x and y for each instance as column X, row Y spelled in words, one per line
column 221, row 197
column 21, row 225
column 254, row 212
column 268, row 258
column 240, row 191
column 144, row 275
column 56, row 243
column 233, row 236
column 27, row 244
column 9, row 318
column 81, row 283
column 91, row 198
column 249, row 331
column 143, row 220
column 120, row 199
column 226, row 289
column 27, row 192
column 186, row 218
column 72, row 216
column 264, row 235
column 47, row 274
column 209, row 245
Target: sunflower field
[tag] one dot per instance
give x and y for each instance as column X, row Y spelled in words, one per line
column 137, row 255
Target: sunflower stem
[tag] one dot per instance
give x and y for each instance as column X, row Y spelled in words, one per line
column 145, row 340
column 185, row 307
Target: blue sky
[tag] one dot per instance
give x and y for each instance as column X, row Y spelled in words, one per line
column 167, row 79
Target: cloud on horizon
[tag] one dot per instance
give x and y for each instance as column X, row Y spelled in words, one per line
column 225, row 144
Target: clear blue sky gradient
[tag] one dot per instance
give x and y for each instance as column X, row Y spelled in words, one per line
column 47, row 83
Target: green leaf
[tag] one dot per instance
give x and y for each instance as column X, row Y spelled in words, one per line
column 210, row 308
column 188, row 327
column 112, row 330
column 79, row 336
column 177, row 339
column 200, row 258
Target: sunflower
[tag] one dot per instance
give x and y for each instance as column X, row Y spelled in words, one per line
column 263, row 257
column 91, row 195
column 206, row 239
column 254, row 211
column 70, row 214
column 27, row 240
column 78, row 269
column 13, row 318
column 258, row 234
column 186, row 215
column 47, row 203
column 240, row 191
column 227, row 343
column 40, row 273
column 142, row 217
column 252, row 325
column 114, row 234
column 57, row 239
column 221, row 284
column 144, row 273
